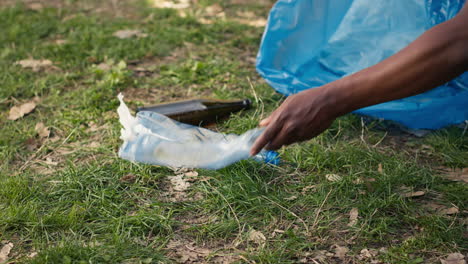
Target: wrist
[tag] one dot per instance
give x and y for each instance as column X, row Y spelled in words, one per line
column 340, row 96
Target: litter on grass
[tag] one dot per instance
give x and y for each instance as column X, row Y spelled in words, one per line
column 155, row 139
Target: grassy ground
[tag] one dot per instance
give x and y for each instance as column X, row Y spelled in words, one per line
column 67, row 198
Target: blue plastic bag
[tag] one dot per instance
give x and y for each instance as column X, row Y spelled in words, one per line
column 308, row 43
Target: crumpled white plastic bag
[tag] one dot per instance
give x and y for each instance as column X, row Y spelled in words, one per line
column 153, row 138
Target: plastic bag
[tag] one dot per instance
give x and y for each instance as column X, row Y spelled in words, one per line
column 308, row 43
column 156, row 139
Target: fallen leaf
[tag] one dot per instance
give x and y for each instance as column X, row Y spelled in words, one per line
column 333, row 177
column 5, row 251
column 129, row 33
column 129, row 178
column 179, row 183
column 94, row 144
column 245, row 14
column 35, row 6
column 214, row 10
column 308, row 188
column 257, row 237
column 454, row 258
column 380, row 169
column 414, row 194
column 406, row 192
column 32, row 254
column 187, row 252
column 260, row 22
column 16, row 112
column 181, row 4
column 191, row 174
column 60, row 41
column 367, row 254
column 358, row 181
column 42, row 130
column 353, row 216
column 340, row 252
column 450, row 211
column 104, row 66
column 291, row 198
column 35, row 65
column 49, row 161
column 205, row 21
column 457, row 174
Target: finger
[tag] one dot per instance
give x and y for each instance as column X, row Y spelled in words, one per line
column 264, row 138
column 281, row 139
column 265, row 122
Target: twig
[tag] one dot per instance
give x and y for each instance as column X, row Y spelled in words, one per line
column 320, row 209
column 380, row 141
column 289, row 211
column 257, row 99
column 232, row 210
column 34, row 156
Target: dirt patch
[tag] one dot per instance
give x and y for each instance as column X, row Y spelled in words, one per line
column 183, row 250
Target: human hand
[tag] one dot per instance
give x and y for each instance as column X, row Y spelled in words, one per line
column 300, row 117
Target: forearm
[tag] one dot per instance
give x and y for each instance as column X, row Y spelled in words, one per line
column 436, row 57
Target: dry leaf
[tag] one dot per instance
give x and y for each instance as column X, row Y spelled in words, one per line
column 450, row 211
column 104, row 67
column 457, row 174
column 129, row 178
column 260, row 22
column 245, row 14
column 454, row 258
column 307, row 188
column 17, row 112
column 257, row 237
column 413, row 194
column 333, row 177
column 179, row 183
column 35, row 65
column 187, row 252
column 94, row 144
column 5, row 251
column 380, row 169
column 366, row 253
column 214, row 10
column 205, row 21
column 35, row 6
column 60, row 41
column 49, row 161
column 191, row 174
column 292, row 198
column 129, row 33
column 42, row 130
column 340, row 252
column 353, row 216
column 176, row 4
column 32, row 255
column 408, row 193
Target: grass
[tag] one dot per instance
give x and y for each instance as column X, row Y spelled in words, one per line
column 70, row 199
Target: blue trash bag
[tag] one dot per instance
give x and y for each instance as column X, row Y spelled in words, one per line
column 308, row 43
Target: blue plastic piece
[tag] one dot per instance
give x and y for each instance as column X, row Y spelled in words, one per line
column 269, row 157
column 308, row 43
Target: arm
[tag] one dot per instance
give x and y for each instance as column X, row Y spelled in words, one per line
column 437, row 56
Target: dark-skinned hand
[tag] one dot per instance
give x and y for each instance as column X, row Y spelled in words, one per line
column 300, row 117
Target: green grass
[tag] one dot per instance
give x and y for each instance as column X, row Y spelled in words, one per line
column 79, row 210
